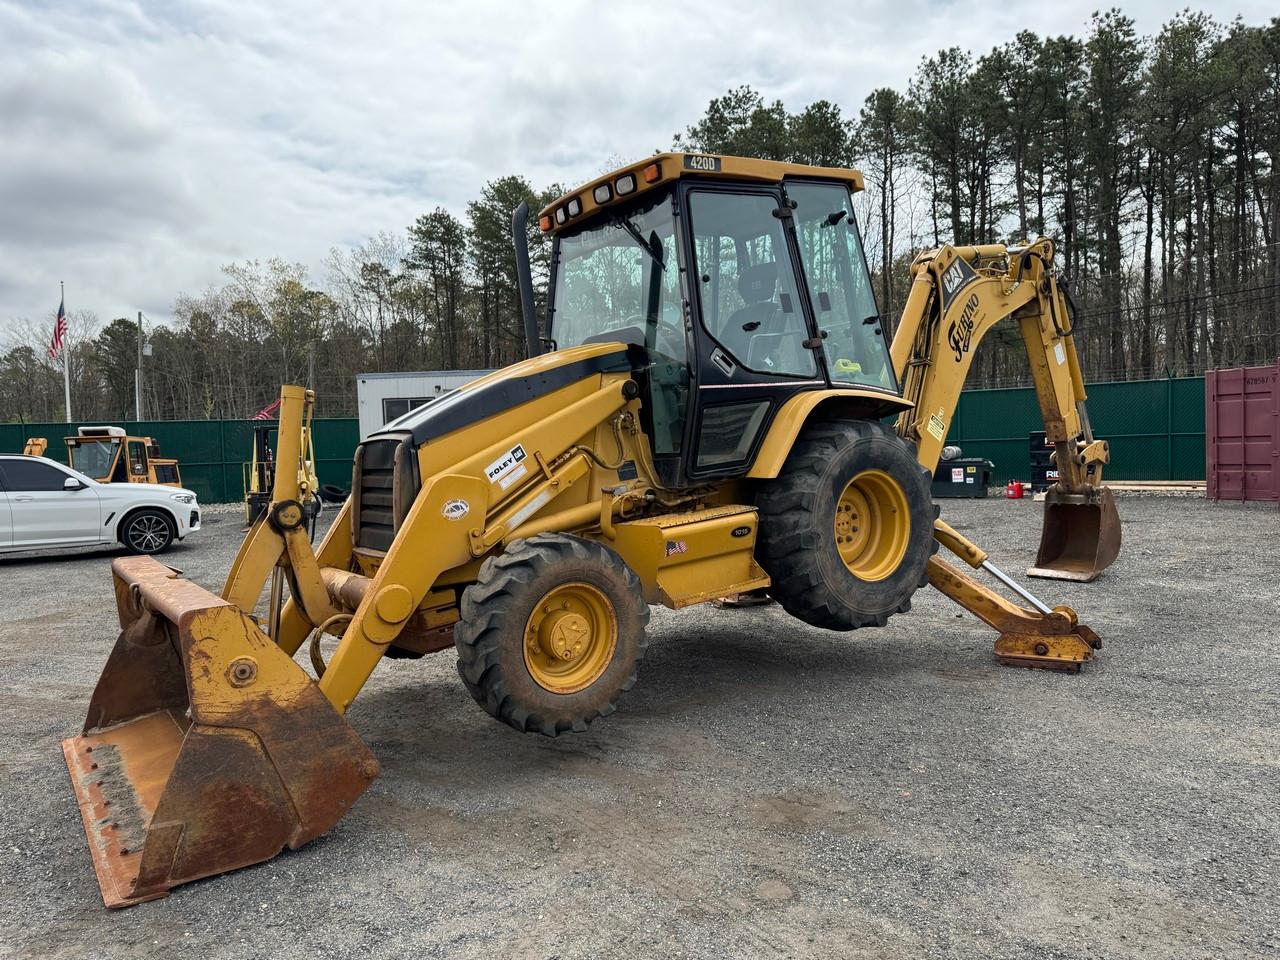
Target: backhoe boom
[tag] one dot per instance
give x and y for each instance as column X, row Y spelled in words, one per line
column 958, row 294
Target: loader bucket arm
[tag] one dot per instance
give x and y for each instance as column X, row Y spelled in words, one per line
column 958, row 294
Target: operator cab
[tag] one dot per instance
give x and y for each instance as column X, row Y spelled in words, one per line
column 742, row 281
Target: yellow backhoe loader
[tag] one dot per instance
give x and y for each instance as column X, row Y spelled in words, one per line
column 705, row 417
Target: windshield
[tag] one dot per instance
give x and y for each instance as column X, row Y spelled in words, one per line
column 94, row 457
column 844, row 305
column 620, row 277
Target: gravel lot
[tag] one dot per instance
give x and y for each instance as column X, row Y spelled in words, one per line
column 767, row 789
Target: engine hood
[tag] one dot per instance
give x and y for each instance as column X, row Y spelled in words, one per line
column 507, row 388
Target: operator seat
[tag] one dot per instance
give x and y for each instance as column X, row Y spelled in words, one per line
column 757, row 285
column 761, row 332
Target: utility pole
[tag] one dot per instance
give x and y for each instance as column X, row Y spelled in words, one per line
column 137, row 377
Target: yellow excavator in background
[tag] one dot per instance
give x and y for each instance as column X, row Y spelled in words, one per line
column 706, row 416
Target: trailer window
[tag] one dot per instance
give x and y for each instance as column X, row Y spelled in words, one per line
column 393, row 408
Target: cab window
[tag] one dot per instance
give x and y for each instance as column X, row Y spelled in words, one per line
column 620, row 280
column 844, row 305
column 94, row 457
column 748, row 286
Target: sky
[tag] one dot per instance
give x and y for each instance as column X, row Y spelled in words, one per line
column 145, row 145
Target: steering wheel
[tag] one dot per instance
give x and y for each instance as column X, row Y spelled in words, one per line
column 673, row 335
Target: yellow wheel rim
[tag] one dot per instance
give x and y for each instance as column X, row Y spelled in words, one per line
column 873, row 525
column 570, row 638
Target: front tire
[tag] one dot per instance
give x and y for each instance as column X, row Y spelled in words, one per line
column 551, row 633
column 147, row 532
column 846, row 528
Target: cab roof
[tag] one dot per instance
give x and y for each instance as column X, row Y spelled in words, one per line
column 652, row 173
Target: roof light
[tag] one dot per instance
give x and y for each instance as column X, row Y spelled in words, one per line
column 575, row 206
column 625, row 185
column 652, row 172
column 602, row 193
column 544, row 224
column 561, row 216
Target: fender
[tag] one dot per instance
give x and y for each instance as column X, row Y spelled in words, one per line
column 795, row 413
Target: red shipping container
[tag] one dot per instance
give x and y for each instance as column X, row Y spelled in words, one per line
column 1242, row 433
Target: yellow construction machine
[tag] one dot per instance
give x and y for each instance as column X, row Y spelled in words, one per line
column 706, row 416
column 110, row 455
column 259, row 473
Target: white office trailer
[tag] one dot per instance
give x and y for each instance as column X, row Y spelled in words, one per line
column 381, row 397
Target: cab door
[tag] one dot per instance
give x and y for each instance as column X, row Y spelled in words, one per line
column 136, row 457
column 756, row 344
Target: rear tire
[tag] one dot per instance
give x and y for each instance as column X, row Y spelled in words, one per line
column 551, row 633
column 846, row 528
column 147, row 532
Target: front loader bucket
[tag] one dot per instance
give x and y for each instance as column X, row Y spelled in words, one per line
column 1080, row 537
column 206, row 747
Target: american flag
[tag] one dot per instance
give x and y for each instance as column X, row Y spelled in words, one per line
column 268, row 412
column 59, row 330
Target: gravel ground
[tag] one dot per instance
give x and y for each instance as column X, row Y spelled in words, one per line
column 766, row 790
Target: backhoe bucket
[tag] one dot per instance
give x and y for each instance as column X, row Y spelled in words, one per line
column 1080, row 537
column 206, row 747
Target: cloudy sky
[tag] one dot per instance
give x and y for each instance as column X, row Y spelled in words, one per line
column 145, row 144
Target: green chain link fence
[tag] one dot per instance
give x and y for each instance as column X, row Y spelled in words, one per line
column 1156, row 430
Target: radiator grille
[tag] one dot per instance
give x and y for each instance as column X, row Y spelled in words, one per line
column 378, row 512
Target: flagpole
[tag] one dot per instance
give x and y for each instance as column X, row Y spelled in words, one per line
column 66, row 361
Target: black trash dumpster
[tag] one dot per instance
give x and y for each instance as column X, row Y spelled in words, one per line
column 962, row 477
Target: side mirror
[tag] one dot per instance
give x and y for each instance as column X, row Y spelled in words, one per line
column 71, row 483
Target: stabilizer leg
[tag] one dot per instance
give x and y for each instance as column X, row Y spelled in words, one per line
column 1042, row 638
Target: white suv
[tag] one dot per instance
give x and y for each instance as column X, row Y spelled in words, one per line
column 45, row 504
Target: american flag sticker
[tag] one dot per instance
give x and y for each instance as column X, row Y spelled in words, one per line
column 676, row 546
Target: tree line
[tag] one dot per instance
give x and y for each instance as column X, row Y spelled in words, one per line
column 1153, row 162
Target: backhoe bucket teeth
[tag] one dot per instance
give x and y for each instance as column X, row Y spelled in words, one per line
column 206, row 747
column 1080, row 537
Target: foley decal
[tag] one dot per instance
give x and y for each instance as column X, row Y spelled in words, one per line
column 508, row 468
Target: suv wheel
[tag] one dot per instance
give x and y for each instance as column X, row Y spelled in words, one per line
column 147, row 531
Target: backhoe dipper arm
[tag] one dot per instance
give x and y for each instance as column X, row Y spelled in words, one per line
column 958, row 294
